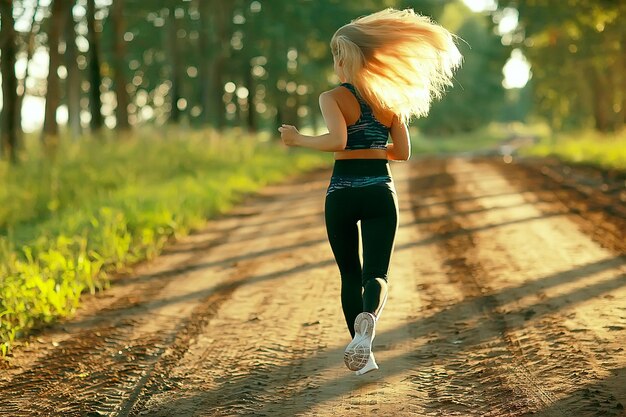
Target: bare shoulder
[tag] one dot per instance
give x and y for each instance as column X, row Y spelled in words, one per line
column 333, row 93
column 330, row 96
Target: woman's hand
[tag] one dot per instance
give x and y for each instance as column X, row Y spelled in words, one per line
column 333, row 141
column 289, row 134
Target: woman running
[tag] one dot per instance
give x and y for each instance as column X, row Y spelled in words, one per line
column 391, row 65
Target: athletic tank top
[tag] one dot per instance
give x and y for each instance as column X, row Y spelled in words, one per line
column 367, row 132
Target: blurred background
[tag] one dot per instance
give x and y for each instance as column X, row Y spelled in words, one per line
column 81, row 66
column 127, row 122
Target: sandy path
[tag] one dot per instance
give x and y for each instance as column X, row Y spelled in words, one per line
column 502, row 303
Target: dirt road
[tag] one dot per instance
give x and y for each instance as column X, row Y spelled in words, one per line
column 507, row 298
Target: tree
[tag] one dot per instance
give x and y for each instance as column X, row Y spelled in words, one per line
column 50, row 133
column 119, row 65
column 8, row 125
column 204, row 60
column 148, row 58
column 95, row 78
column 176, row 63
column 577, row 50
column 30, row 42
column 222, row 18
column 73, row 81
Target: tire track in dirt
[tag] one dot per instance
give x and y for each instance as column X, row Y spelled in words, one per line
column 446, row 344
column 292, row 364
column 470, row 263
column 499, row 306
column 98, row 363
column 596, row 205
column 91, row 371
column 579, row 346
column 498, row 395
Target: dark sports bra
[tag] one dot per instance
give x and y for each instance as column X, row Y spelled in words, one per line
column 367, row 132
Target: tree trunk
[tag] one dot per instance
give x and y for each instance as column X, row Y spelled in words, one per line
column 95, row 79
column 119, row 64
column 50, row 133
column 8, row 126
column 175, row 65
column 622, row 74
column 204, row 65
column 222, row 18
column 313, row 112
column 251, row 119
column 30, row 49
column 601, row 101
column 218, row 89
column 72, row 83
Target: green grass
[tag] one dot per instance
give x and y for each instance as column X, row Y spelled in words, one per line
column 66, row 226
column 587, row 147
column 479, row 140
column 584, row 147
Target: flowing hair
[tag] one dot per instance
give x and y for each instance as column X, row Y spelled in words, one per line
column 398, row 60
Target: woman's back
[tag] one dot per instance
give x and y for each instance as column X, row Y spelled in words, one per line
column 368, row 131
column 351, row 109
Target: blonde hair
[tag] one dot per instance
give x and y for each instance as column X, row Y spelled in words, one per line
column 398, row 60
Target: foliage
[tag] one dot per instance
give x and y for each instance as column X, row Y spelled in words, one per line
column 273, row 56
column 70, row 224
column 479, row 140
column 477, row 95
column 577, row 50
column 586, row 147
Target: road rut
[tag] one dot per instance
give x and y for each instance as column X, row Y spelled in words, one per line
column 503, row 302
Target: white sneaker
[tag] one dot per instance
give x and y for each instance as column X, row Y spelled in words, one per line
column 357, row 353
column 369, row 366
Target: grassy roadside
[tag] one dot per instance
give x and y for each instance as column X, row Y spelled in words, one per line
column 606, row 151
column 586, row 147
column 479, row 140
column 67, row 225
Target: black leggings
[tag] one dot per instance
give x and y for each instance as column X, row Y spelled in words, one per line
column 375, row 206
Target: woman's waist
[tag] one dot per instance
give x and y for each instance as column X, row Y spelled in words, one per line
column 361, row 154
column 361, row 168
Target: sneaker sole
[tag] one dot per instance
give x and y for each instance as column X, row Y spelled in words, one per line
column 369, row 367
column 357, row 353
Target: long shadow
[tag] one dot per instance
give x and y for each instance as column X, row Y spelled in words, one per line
column 284, row 217
column 142, row 308
column 127, row 312
column 244, row 385
column 505, row 295
column 459, row 232
column 427, row 174
column 279, row 231
column 320, row 214
column 212, row 397
column 180, row 248
column 430, row 219
column 280, row 228
column 448, row 202
column 424, row 179
column 222, row 262
column 417, row 328
column 303, row 200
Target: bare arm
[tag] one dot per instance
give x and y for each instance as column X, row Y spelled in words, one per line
column 334, row 140
column 400, row 149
